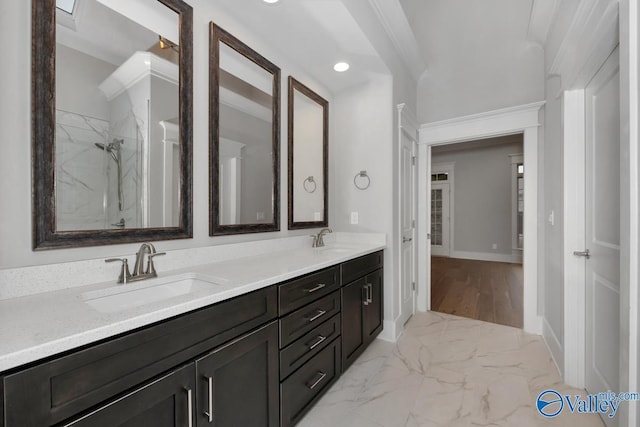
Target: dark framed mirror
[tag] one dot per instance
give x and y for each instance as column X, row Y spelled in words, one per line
column 244, row 144
column 308, row 141
column 111, row 121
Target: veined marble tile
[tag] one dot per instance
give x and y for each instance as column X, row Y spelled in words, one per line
column 447, row 371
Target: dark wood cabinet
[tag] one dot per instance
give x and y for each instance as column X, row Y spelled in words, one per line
column 353, row 299
column 165, row 402
column 234, row 363
column 372, row 310
column 362, row 305
column 238, row 382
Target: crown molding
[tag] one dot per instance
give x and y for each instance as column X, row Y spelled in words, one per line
column 395, row 23
column 590, row 39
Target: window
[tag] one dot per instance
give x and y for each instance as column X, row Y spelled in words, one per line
column 439, row 177
column 66, row 5
column 520, row 205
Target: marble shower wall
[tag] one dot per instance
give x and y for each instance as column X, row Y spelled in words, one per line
column 87, row 177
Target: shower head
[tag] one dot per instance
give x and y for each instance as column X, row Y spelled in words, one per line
column 112, row 148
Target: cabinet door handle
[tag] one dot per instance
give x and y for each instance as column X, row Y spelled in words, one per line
column 319, row 314
column 365, row 295
column 321, row 375
column 317, row 342
column 369, row 293
column 189, row 407
column 209, row 411
column 316, row 288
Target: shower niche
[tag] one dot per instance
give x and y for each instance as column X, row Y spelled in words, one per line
column 112, row 121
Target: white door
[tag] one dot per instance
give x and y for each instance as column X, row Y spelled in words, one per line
column 602, row 98
column 407, row 224
column 440, row 218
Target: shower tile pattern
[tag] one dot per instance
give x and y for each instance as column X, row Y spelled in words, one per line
column 86, row 177
column 447, row 371
column 81, row 171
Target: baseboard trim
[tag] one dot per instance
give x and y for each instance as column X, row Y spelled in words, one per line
column 487, row 256
column 389, row 331
column 554, row 346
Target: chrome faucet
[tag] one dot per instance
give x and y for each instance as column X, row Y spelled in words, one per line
column 318, row 239
column 139, row 272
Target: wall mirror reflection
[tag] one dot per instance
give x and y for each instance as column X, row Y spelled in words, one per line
column 308, row 121
column 113, row 149
column 245, row 134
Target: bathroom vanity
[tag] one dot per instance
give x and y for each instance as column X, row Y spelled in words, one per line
column 257, row 350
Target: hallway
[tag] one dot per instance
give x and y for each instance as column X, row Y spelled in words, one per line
column 482, row 290
column 447, row 371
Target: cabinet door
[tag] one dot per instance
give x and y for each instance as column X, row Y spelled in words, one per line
column 165, row 402
column 373, row 308
column 353, row 300
column 238, row 382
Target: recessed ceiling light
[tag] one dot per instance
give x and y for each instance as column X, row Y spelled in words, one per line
column 271, row 1
column 341, row 67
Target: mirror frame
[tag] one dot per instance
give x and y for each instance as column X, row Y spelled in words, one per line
column 43, row 105
column 295, row 85
column 218, row 35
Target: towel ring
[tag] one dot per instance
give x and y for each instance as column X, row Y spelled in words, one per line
column 363, row 185
column 307, row 185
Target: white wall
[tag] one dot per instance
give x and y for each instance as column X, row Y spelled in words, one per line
column 362, row 115
column 552, row 190
column 15, row 119
column 492, row 84
column 387, row 92
column 482, row 198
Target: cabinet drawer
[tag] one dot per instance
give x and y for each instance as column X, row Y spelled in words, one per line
column 299, row 292
column 78, row 381
column 310, row 344
column 308, row 383
column 308, row 317
column 356, row 268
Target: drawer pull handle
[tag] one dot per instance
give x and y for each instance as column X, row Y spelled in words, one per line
column 316, row 288
column 321, row 375
column 189, row 407
column 319, row 314
column 318, row 341
column 209, row 411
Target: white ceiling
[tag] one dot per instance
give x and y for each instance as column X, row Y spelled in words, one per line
column 314, row 34
column 448, row 34
column 454, row 34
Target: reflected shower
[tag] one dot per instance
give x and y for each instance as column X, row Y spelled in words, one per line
column 114, row 148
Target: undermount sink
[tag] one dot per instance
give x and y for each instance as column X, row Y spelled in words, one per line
column 131, row 295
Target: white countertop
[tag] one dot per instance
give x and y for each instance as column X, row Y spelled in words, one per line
column 42, row 325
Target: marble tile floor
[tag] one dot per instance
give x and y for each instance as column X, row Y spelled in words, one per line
column 447, row 371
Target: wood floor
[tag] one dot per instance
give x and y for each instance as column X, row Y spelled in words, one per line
column 482, row 290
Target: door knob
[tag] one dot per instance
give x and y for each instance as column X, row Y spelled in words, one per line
column 406, row 239
column 584, row 253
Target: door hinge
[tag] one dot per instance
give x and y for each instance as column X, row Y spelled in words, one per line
column 413, row 223
column 413, row 161
column 428, row 236
column 413, row 286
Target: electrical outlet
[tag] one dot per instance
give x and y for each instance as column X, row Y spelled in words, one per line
column 551, row 218
column 354, row 217
column 494, row 246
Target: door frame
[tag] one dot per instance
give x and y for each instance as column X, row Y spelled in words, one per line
column 574, row 233
column 522, row 119
column 407, row 125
